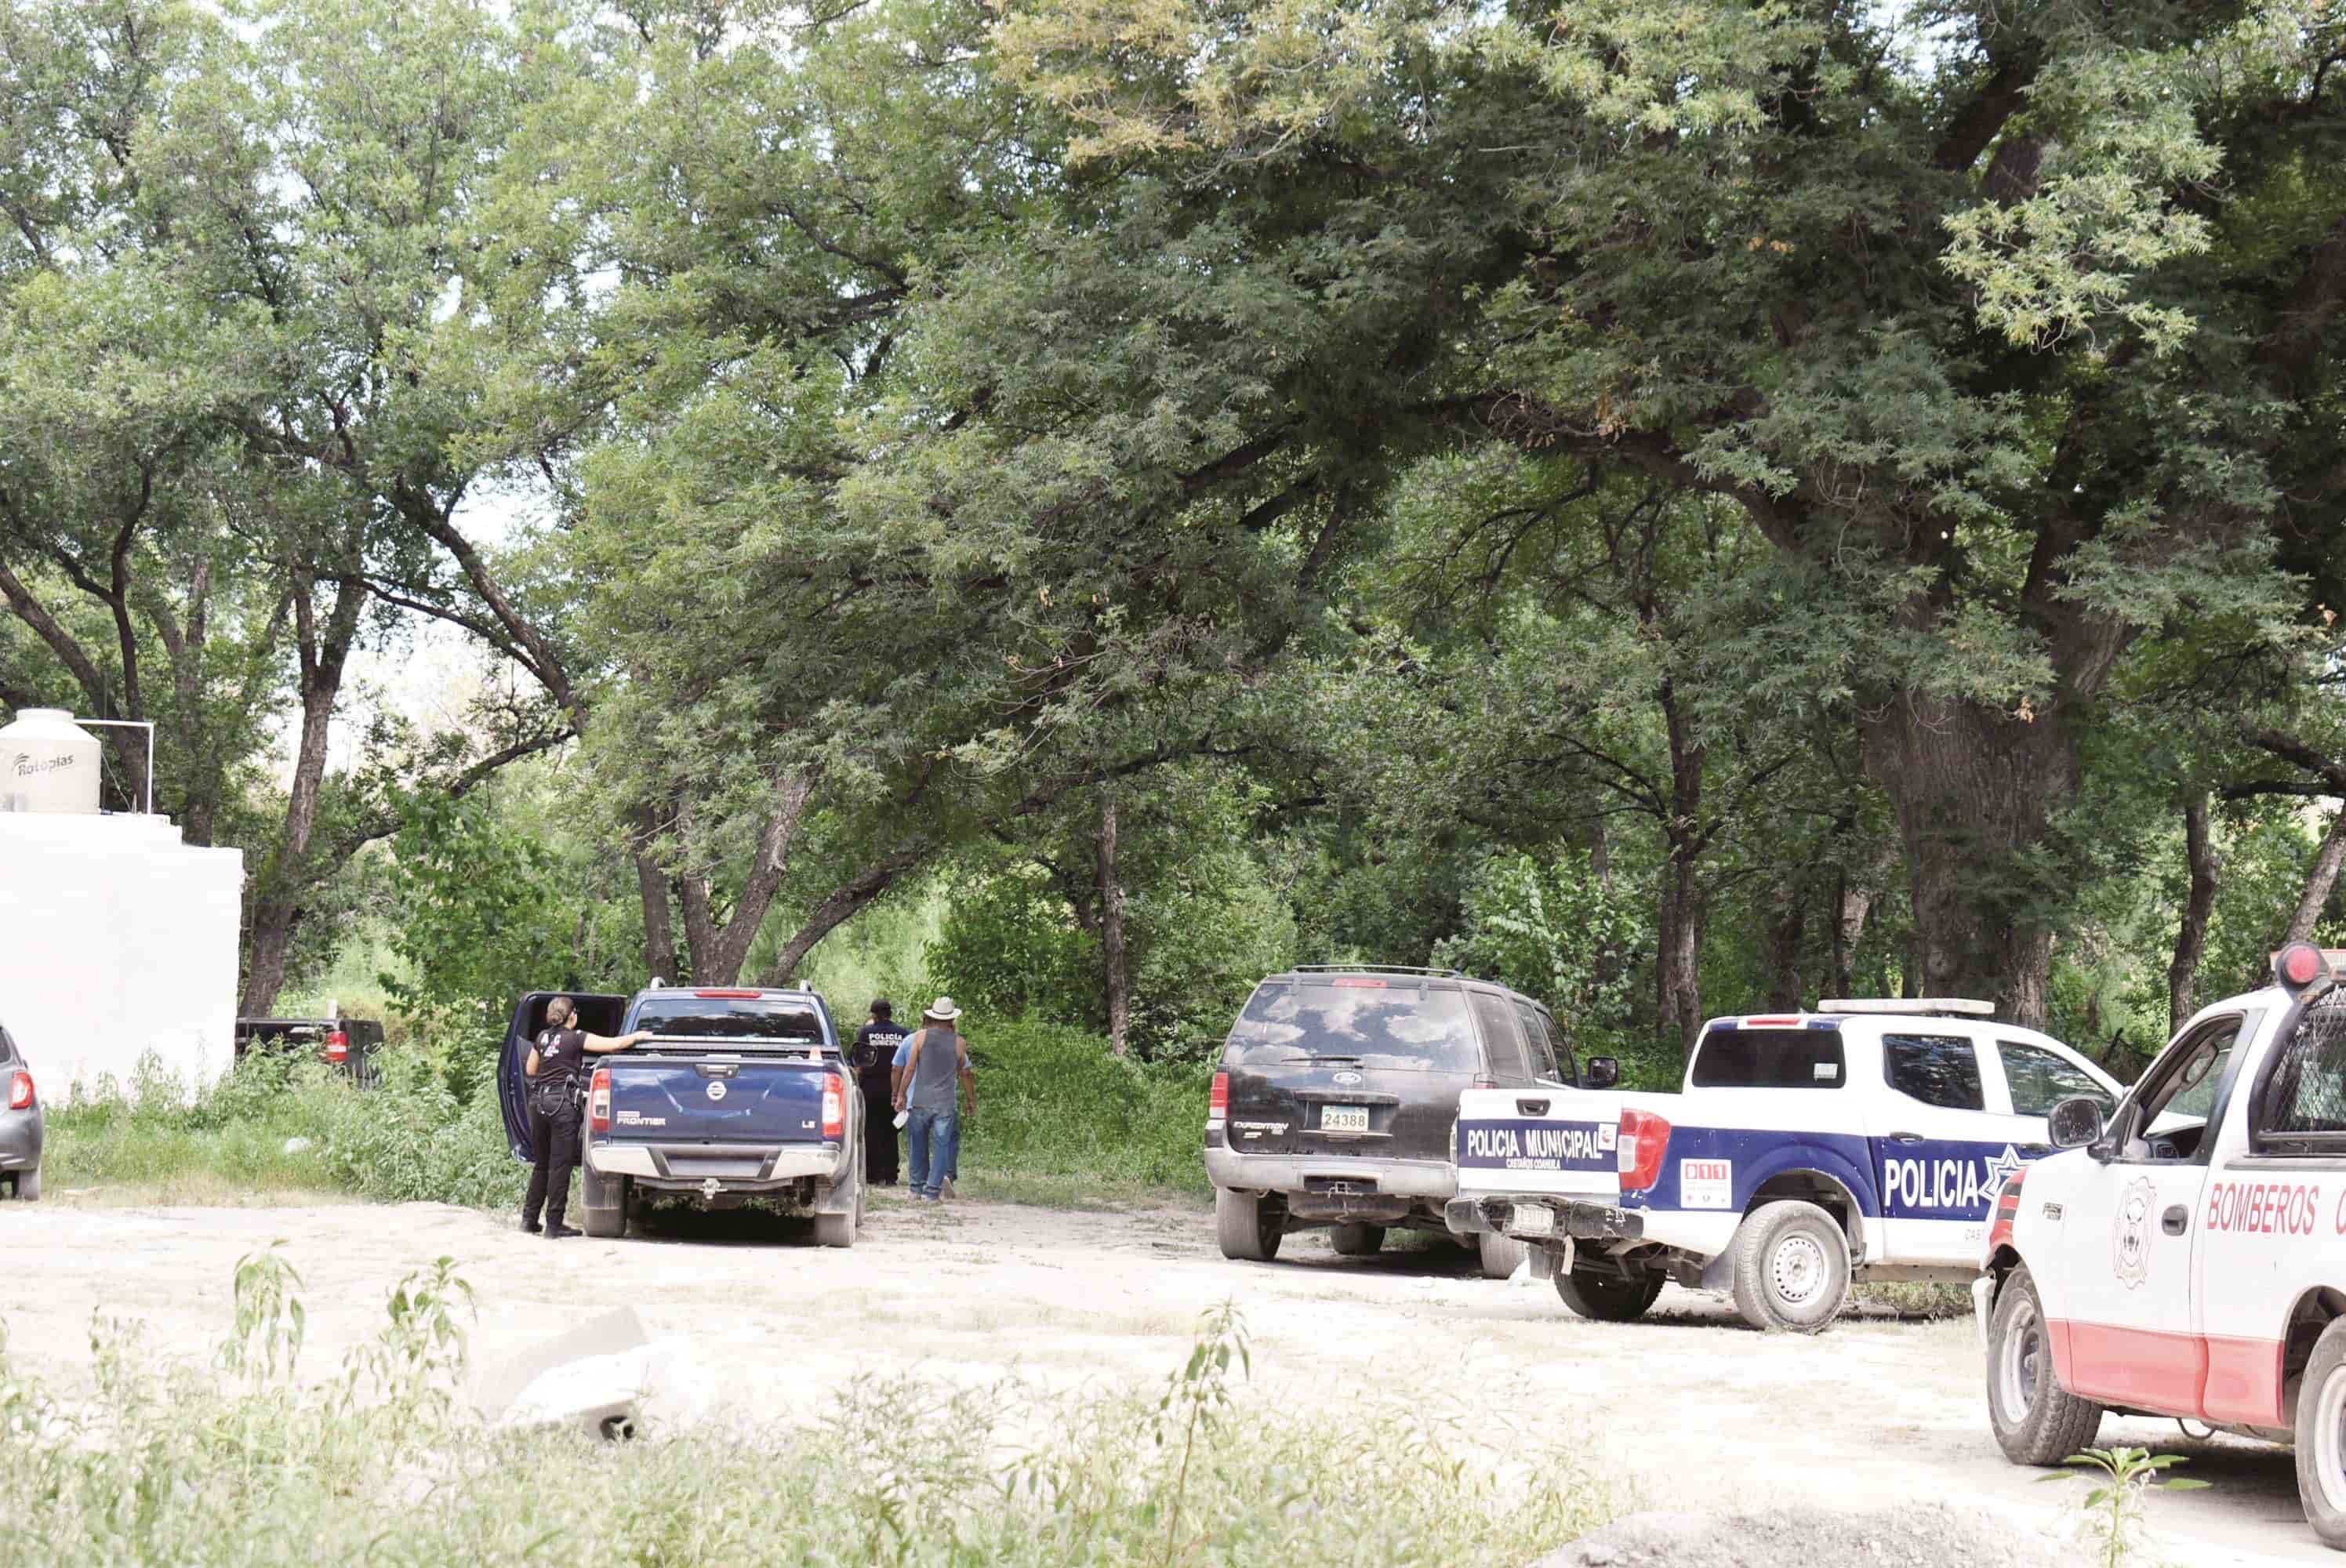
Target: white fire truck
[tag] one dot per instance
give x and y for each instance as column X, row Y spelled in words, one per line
column 2186, row 1257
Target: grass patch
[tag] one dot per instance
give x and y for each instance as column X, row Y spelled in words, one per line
column 384, row 1464
column 1912, row 1299
column 1063, row 1122
column 1060, row 1124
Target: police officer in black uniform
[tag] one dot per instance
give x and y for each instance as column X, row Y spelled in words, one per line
column 555, row 1074
column 873, row 1058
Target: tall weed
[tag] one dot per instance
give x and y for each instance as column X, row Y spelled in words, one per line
column 385, row 1463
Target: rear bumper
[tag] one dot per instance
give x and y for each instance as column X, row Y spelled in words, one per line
column 1295, row 1173
column 20, row 1140
column 1566, row 1217
column 743, row 1169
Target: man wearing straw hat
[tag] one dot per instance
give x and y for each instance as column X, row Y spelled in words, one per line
column 935, row 1088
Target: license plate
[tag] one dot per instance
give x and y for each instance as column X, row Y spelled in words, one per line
column 1529, row 1219
column 1343, row 1118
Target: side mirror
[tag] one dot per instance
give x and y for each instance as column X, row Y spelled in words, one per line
column 1602, row 1073
column 2074, row 1122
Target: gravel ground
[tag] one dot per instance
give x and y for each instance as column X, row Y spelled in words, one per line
column 1699, row 1413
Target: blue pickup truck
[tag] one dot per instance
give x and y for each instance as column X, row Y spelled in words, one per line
column 739, row 1094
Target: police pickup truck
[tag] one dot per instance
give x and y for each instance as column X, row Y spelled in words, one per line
column 739, row 1094
column 2187, row 1256
column 1865, row 1139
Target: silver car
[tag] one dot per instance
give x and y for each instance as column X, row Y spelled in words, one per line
column 20, row 1124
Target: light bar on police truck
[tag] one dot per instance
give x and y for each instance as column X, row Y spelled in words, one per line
column 1910, row 1006
column 2301, row 966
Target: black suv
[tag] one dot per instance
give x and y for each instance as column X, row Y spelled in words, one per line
column 1338, row 1093
column 348, row 1043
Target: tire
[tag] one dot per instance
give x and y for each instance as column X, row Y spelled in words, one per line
column 2321, row 1436
column 2037, row 1420
column 1502, row 1255
column 1357, row 1240
column 28, row 1187
column 1249, row 1229
column 834, row 1230
column 1792, row 1268
column 1609, row 1298
column 606, row 1220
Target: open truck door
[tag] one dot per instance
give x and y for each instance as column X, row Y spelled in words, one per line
column 597, row 1014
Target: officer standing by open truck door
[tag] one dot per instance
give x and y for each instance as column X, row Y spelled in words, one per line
column 555, row 1075
column 875, row 1054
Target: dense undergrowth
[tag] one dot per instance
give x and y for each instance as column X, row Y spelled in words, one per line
column 1059, row 1121
column 252, row 1462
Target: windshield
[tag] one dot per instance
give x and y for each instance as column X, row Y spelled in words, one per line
column 790, row 1019
column 1363, row 1020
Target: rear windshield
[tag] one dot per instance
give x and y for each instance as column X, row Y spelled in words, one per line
column 1770, row 1059
column 1367, row 1022
column 733, row 1018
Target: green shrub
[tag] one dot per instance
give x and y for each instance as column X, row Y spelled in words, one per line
column 1060, row 1118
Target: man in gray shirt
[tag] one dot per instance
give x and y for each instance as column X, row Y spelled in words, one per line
column 935, row 1088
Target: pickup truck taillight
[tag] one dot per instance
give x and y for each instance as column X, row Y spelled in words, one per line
column 20, row 1091
column 834, row 1105
column 338, row 1045
column 1218, row 1101
column 598, row 1100
column 1644, row 1138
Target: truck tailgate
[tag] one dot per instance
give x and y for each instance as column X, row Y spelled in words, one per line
column 1541, row 1140
column 743, row 1099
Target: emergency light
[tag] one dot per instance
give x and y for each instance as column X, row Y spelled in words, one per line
column 1910, row 1006
column 2301, row 966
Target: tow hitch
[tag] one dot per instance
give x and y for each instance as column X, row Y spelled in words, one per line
column 710, row 1188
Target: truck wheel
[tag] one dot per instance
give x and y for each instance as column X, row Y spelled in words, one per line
column 28, row 1187
column 834, row 1230
column 1792, row 1268
column 1609, row 1298
column 1249, row 1229
column 1357, row 1240
column 2037, row 1420
column 1502, row 1255
column 608, row 1218
column 2321, row 1436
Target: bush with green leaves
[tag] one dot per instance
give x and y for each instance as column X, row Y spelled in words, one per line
column 383, row 1461
column 1554, row 930
column 1060, row 1119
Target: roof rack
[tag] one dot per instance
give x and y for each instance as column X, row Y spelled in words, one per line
column 1375, row 969
column 1910, row 1006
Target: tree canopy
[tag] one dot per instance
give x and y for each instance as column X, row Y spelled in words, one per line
column 1695, row 504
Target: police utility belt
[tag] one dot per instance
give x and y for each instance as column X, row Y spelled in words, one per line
column 553, row 1096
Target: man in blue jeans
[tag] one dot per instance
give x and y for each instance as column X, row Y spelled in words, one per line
column 935, row 1087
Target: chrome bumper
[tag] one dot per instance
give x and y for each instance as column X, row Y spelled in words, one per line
column 736, row 1169
column 1569, row 1217
column 1297, row 1172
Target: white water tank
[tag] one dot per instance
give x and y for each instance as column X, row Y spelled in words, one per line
column 47, row 763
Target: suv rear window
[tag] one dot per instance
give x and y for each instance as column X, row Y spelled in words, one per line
column 1770, row 1059
column 1368, row 1020
column 733, row 1018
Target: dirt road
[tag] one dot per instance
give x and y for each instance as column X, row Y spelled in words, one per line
column 1703, row 1413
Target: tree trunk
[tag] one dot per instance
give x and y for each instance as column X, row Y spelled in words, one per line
column 660, row 925
column 2319, row 882
column 841, row 903
column 1111, row 905
column 2191, row 935
column 1976, row 789
column 700, row 927
column 1787, row 938
column 286, row 880
column 719, row 951
column 1678, row 973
